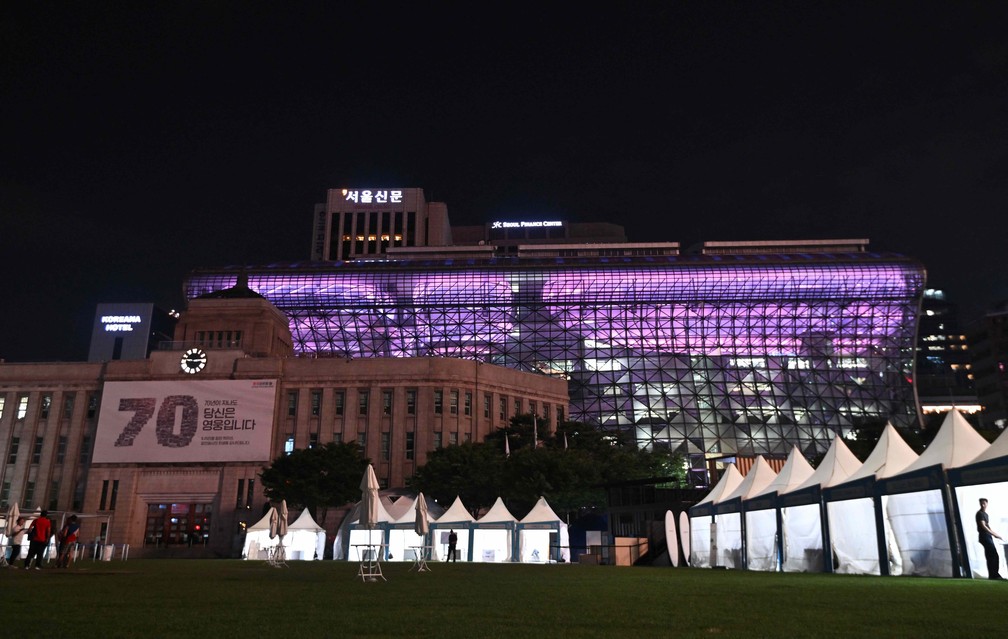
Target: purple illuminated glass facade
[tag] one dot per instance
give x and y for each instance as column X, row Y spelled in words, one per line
column 708, row 355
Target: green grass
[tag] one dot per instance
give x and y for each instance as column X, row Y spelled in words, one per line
column 224, row 598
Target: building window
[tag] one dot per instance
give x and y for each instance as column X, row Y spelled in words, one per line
column 85, row 450
column 289, row 445
column 340, row 397
column 316, row 403
column 453, row 402
column 29, row 495
column 114, row 495
column 385, row 446
column 78, row 496
column 386, row 402
column 240, row 497
column 22, row 407
column 453, row 439
column 68, row 406
column 559, row 414
column 468, row 403
column 92, row 405
column 37, row 451
column 503, row 409
column 467, row 437
column 532, row 407
column 517, row 407
column 411, row 401
column 362, row 441
column 545, row 412
column 438, row 402
column 250, row 493
column 45, row 406
column 61, row 447
column 104, row 495
column 438, row 441
column 312, row 440
column 3, row 400
column 54, row 495
column 292, row 404
column 362, row 402
column 15, row 442
column 5, row 493
column 337, row 438
column 486, row 406
column 410, row 445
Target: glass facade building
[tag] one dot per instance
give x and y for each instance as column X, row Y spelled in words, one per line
column 707, row 354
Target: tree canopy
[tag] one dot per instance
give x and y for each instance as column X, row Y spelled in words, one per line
column 569, row 468
column 316, row 478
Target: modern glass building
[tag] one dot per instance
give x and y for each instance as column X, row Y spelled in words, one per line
column 707, row 354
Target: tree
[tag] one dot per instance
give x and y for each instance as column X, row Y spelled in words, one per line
column 469, row 471
column 316, row 478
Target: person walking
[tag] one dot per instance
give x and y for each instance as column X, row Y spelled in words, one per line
column 987, row 541
column 66, row 540
column 38, row 539
column 17, row 537
column 452, row 542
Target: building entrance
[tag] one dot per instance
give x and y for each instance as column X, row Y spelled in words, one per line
column 178, row 524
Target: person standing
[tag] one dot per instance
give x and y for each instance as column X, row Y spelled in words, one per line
column 38, row 539
column 66, row 540
column 987, row 541
column 17, row 537
column 452, row 542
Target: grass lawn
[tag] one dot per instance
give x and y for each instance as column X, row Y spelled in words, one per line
column 231, row 598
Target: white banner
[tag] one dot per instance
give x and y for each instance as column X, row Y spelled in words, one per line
column 186, row 421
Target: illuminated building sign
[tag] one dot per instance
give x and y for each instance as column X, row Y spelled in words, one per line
column 373, row 196
column 537, row 224
column 120, row 323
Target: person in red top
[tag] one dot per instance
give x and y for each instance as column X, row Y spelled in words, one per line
column 38, row 539
column 66, row 540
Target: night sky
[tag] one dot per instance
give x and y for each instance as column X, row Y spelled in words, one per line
column 143, row 140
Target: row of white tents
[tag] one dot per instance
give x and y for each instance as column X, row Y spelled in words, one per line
column 895, row 514
column 303, row 540
column 497, row 536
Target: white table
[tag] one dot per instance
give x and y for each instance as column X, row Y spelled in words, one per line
column 369, row 556
column 420, row 554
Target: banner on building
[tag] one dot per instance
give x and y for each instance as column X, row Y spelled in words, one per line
column 185, row 421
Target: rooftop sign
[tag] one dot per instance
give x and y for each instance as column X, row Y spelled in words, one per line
column 375, row 196
column 526, row 225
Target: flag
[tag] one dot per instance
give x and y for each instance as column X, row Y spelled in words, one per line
column 507, row 446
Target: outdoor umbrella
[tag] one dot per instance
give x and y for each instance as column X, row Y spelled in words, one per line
column 369, row 500
column 274, row 522
column 282, row 524
column 422, row 524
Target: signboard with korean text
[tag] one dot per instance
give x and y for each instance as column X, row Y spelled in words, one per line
column 185, row 421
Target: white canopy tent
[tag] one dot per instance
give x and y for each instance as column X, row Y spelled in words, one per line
column 762, row 514
column 257, row 537
column 854, row 511
column 728, row 513
column 457, row 518
column 702, row 530
column 305, row 539
column 533, row 536
column 493, row 534
column 986, row 476
column 919, row 506
column 802, row 517
column 351, row 534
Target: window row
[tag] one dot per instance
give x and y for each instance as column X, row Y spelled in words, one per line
column 456, row 401
column 21, row 404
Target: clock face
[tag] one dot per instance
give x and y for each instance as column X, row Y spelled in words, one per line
column 193, row 361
